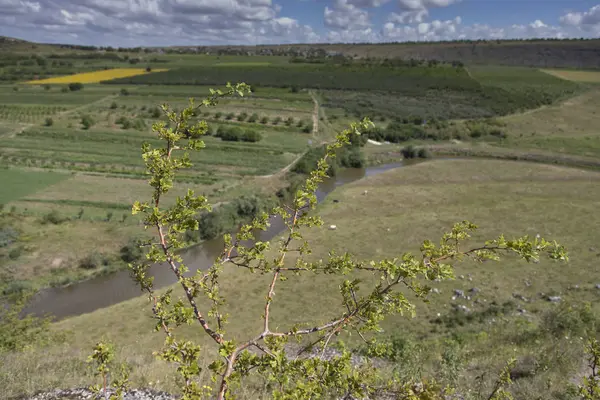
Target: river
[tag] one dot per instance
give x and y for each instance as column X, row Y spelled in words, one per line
column 106, row 290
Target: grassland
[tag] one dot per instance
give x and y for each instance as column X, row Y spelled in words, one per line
column 96, row 76
column 23, row 183
column 402, row 207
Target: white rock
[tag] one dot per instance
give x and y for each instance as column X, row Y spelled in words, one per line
column 332, row 227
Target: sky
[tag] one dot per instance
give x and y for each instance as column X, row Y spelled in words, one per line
column 129, row 23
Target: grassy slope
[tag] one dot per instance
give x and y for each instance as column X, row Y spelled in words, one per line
column 569, row 127
column 402, row 207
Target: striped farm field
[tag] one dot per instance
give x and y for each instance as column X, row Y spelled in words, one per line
column 96, row 76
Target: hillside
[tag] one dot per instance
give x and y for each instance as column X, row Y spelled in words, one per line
column 543, row 53
column 402, row 207
column 534, row 53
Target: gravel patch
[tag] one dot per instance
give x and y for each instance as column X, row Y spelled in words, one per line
column 86, row 394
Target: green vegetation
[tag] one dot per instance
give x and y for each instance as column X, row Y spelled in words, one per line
column 19, row 183
column 316, row 76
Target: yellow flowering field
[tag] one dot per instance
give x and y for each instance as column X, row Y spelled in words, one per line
column 97, row 76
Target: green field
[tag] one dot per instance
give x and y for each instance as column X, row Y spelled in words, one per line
column 402, row 207
column 19, row 183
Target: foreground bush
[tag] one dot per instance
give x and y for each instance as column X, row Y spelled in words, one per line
column 262, row 354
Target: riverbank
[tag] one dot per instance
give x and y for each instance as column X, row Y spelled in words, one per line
column 392, row 153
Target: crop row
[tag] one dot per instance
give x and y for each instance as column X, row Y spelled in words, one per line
column 503, row 91
column 20, row 113
column 316, row 76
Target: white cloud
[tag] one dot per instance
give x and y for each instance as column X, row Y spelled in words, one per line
column 346, row 16
column 368, row 3
column 202, row 22
column 408, row 17
column 455, row 30
column 585, row 20
column 424, row 4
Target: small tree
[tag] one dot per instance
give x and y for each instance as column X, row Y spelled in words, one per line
column 73, row 87
column 295, row 377
column 48, row 122
column 87, row 122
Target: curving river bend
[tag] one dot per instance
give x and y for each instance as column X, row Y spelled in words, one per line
column 104, row 291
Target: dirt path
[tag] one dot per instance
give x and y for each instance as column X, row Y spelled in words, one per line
column 469, row 73
column 315, row 115
column 284, row 169
column 315, row 132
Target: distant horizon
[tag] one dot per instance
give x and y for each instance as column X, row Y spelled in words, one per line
column 571, row 39
column 162, row 23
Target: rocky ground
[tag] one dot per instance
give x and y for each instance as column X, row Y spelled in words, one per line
column 85, row 394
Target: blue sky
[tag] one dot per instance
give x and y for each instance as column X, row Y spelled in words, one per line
column 203, row 22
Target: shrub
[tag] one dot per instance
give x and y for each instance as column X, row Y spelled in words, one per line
column 289, row 121
column 409, row 151
column 15, row 253
column 53, row 217
column 264, row 120
column 87, row 122
column 352, row 158
column 48, row 122
column 139, row 124
column 251, row 135
column 498, row 133
column 124, row 122
column 229, row 116
column 124, row 92
column 231, row 134
column 93, row 261
column 218, row 114
column 253, row 117
column 156, row 112
column 423, row 153
column 276, row 120
column 308, row 128
column 294, row 89
column 300, row 123
column 114, row 105
column 132, row 251
column 73, row 87
column 17, row 330
column 64, row 90
column 242, row 116
column 47, row 87
column 148, row 69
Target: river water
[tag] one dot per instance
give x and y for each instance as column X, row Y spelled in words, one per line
column 106, row 290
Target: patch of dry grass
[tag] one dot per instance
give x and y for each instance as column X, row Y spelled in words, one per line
column 577, row 76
